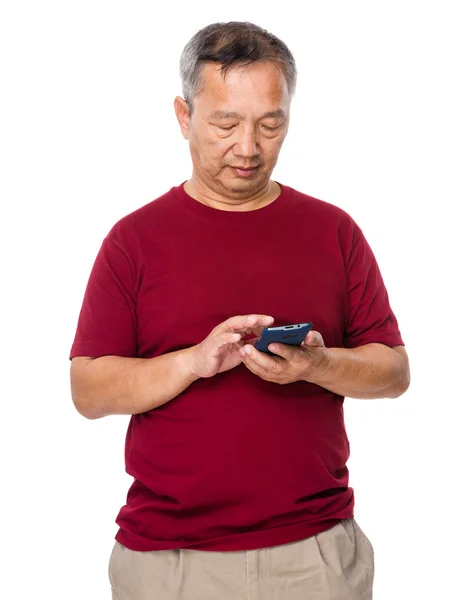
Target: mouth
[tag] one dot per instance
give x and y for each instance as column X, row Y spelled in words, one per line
column 245, row 171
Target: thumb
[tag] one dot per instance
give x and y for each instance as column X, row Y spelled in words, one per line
column 313, row 338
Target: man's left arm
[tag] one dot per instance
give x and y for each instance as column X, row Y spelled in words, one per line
column 369, row 371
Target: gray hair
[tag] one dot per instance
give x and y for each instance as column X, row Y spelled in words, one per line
column 236, row 43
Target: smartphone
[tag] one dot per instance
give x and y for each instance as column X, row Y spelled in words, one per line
column 286, row 334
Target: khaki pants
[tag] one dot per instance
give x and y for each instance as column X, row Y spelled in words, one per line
column 337, row 564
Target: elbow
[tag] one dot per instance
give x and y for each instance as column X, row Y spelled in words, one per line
column 86, row 409
column 399, row 391
column 402, row 384
column 402, row 376
column 82, row 392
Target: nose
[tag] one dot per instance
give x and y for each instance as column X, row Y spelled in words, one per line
column 246, row 144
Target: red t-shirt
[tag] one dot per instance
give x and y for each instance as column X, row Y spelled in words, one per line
column 233, row 462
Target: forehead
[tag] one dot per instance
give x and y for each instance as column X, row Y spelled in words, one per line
column 260, row 85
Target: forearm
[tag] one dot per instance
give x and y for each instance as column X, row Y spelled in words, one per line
column 369, row 371
column 114, row 385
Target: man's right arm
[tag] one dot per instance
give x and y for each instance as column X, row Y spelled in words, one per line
column 115, row 385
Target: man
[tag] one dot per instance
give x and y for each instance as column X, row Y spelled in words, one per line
column 238, row 457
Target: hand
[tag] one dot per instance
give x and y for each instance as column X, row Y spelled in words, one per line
column 220, row 350
column 294, row 363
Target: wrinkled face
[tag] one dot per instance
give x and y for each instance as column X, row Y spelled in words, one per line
column 237, row 127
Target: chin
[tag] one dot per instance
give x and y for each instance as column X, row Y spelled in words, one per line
column 243, row 189
column 240, row 187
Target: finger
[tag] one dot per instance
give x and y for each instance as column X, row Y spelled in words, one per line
column 249, row 322
column 256, row 331
column 252, row 366
column 228, row 338
column 286, row 351
column 261, row 364
column 260, row 359
column 313, row 338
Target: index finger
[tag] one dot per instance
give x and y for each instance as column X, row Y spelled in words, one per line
column 248, row 323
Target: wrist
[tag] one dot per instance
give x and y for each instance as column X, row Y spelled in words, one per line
column 321, row 366
column 187, row 364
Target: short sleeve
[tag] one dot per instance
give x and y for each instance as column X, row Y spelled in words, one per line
column 370, row 317
column 107, row 320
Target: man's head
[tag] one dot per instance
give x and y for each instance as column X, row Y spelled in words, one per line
column 238, row 81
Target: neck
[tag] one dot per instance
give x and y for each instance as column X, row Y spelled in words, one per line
column 212, row 197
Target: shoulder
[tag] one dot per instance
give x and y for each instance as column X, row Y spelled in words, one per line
column 147, row 218
column 326, row 214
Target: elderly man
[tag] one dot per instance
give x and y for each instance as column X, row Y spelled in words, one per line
column 238, row 456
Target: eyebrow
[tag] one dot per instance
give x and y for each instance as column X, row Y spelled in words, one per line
column 222, row 114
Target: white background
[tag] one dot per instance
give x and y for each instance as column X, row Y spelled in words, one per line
column 383, row 125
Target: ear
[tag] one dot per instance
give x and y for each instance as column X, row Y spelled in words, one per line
column 183, row 116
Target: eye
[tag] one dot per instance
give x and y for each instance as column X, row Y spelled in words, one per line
column 227, row 128
column 269, row 128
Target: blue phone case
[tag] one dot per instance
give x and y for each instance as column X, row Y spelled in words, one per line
column 286, row 334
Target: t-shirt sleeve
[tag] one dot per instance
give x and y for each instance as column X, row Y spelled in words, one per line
column 107, row 320
column 370, row 318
